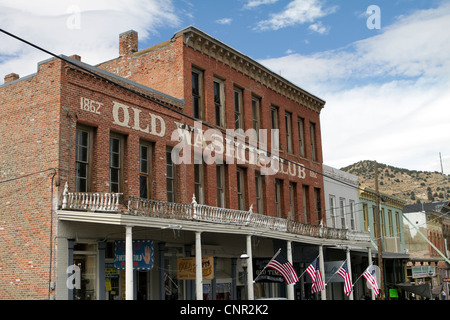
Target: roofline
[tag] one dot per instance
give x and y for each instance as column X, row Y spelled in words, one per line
column 192, row 30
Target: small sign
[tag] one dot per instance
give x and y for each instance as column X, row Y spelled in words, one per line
column 186, row 268
column 143, row 255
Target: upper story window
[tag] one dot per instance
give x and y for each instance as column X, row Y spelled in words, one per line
column 238, row 109
column 240, row 178
column 220, row 180
column 312, row 134
column 83, row 159
column 278, row 199
column 275, row 136
column 170, row 177
column 197, row 94
column 145, row 162
column 115, row 162
column 288, row 124
column 256, row 115
column 199, row 185
column 219, row 102
column 301, row 136
column 259, row 192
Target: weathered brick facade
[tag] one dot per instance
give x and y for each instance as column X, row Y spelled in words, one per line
column 40, row 115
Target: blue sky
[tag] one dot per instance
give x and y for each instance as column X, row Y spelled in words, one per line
column 387, row 90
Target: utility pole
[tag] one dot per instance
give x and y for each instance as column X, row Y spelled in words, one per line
column 379, row 231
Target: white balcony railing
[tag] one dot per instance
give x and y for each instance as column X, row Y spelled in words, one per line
column 110, row 202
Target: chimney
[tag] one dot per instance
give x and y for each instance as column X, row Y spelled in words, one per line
column 11, row 77
column 76, row 57
column 128, row 43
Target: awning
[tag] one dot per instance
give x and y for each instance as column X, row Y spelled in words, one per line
column 423, row 290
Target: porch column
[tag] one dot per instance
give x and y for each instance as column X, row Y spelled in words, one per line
column 101, row 270
column 323, row 293
column 198, row 266
column 250, row 293
column 129, row 288
column 349, row 266
column 290, row 287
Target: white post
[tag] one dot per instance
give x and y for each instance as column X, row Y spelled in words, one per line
column 290, row 287
column 198, row 266
column 323, row 293
column 349, row 266
column 250, row 293
column 129, row 285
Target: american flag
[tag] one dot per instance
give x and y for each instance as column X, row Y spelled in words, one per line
column 343, row 272
column 284, row 267
column 370, row 276
column 316, row 276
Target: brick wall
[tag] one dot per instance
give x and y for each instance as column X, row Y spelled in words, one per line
column 29, row 122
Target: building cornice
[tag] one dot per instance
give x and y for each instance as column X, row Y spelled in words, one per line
column 215, row 49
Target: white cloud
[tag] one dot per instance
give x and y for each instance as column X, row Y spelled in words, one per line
column 387, row 96
column 87, row 28
column 224, row 21
column 256, row 3
column 319, row 28
column 296, row 12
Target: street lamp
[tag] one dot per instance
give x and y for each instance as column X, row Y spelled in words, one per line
column 244, row 257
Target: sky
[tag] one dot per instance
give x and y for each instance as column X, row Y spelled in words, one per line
column 383, row 67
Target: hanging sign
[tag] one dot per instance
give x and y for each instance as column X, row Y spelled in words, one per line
column 143, row 255
column 186, row 268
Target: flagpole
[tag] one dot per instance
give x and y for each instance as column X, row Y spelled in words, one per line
column 278, row 252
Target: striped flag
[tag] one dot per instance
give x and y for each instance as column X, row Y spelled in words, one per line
column 284, row 267
column 343, row 272
column 370, row 276
column 316, row 276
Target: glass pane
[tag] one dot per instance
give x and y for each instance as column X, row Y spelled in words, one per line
column 143, row 186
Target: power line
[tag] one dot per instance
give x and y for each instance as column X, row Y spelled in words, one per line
column 163, row 105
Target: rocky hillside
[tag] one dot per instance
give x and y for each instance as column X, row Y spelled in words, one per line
column 410, row 186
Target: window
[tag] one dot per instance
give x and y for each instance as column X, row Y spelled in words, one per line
column 397, row 221
column 115, row 163
column 197, row 94
column 220, row 177
column 383, row 223
column 312, row 133
column 352, row 214
column 318, row 204
column 275, row 127
column 219, row 104
column 259, row 193
column 342, row 212
column 256, row 118
column 170, row 177
column 305, row 195
column 288, row 123
column 301, row 136
column 292, row 200
column 145, row 160
column 240, row 180
column 82, row 160
column 391, row 223
column 278, row 197
column 375, row 227
column 366, row 217
column 333, row 211
column 199, row 183
column 238, row 109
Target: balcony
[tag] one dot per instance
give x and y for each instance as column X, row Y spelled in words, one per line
column 182, row 213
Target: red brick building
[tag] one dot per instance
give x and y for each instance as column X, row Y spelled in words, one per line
column 87, row 162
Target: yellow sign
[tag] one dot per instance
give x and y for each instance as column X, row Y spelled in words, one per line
column 186, row 268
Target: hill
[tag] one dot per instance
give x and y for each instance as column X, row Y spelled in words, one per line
column 410, row 186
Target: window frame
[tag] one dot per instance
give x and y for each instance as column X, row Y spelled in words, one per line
column 88, row 162
column 198, row 95
column 119, row 168
column 219, row 106
column 147, row 175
